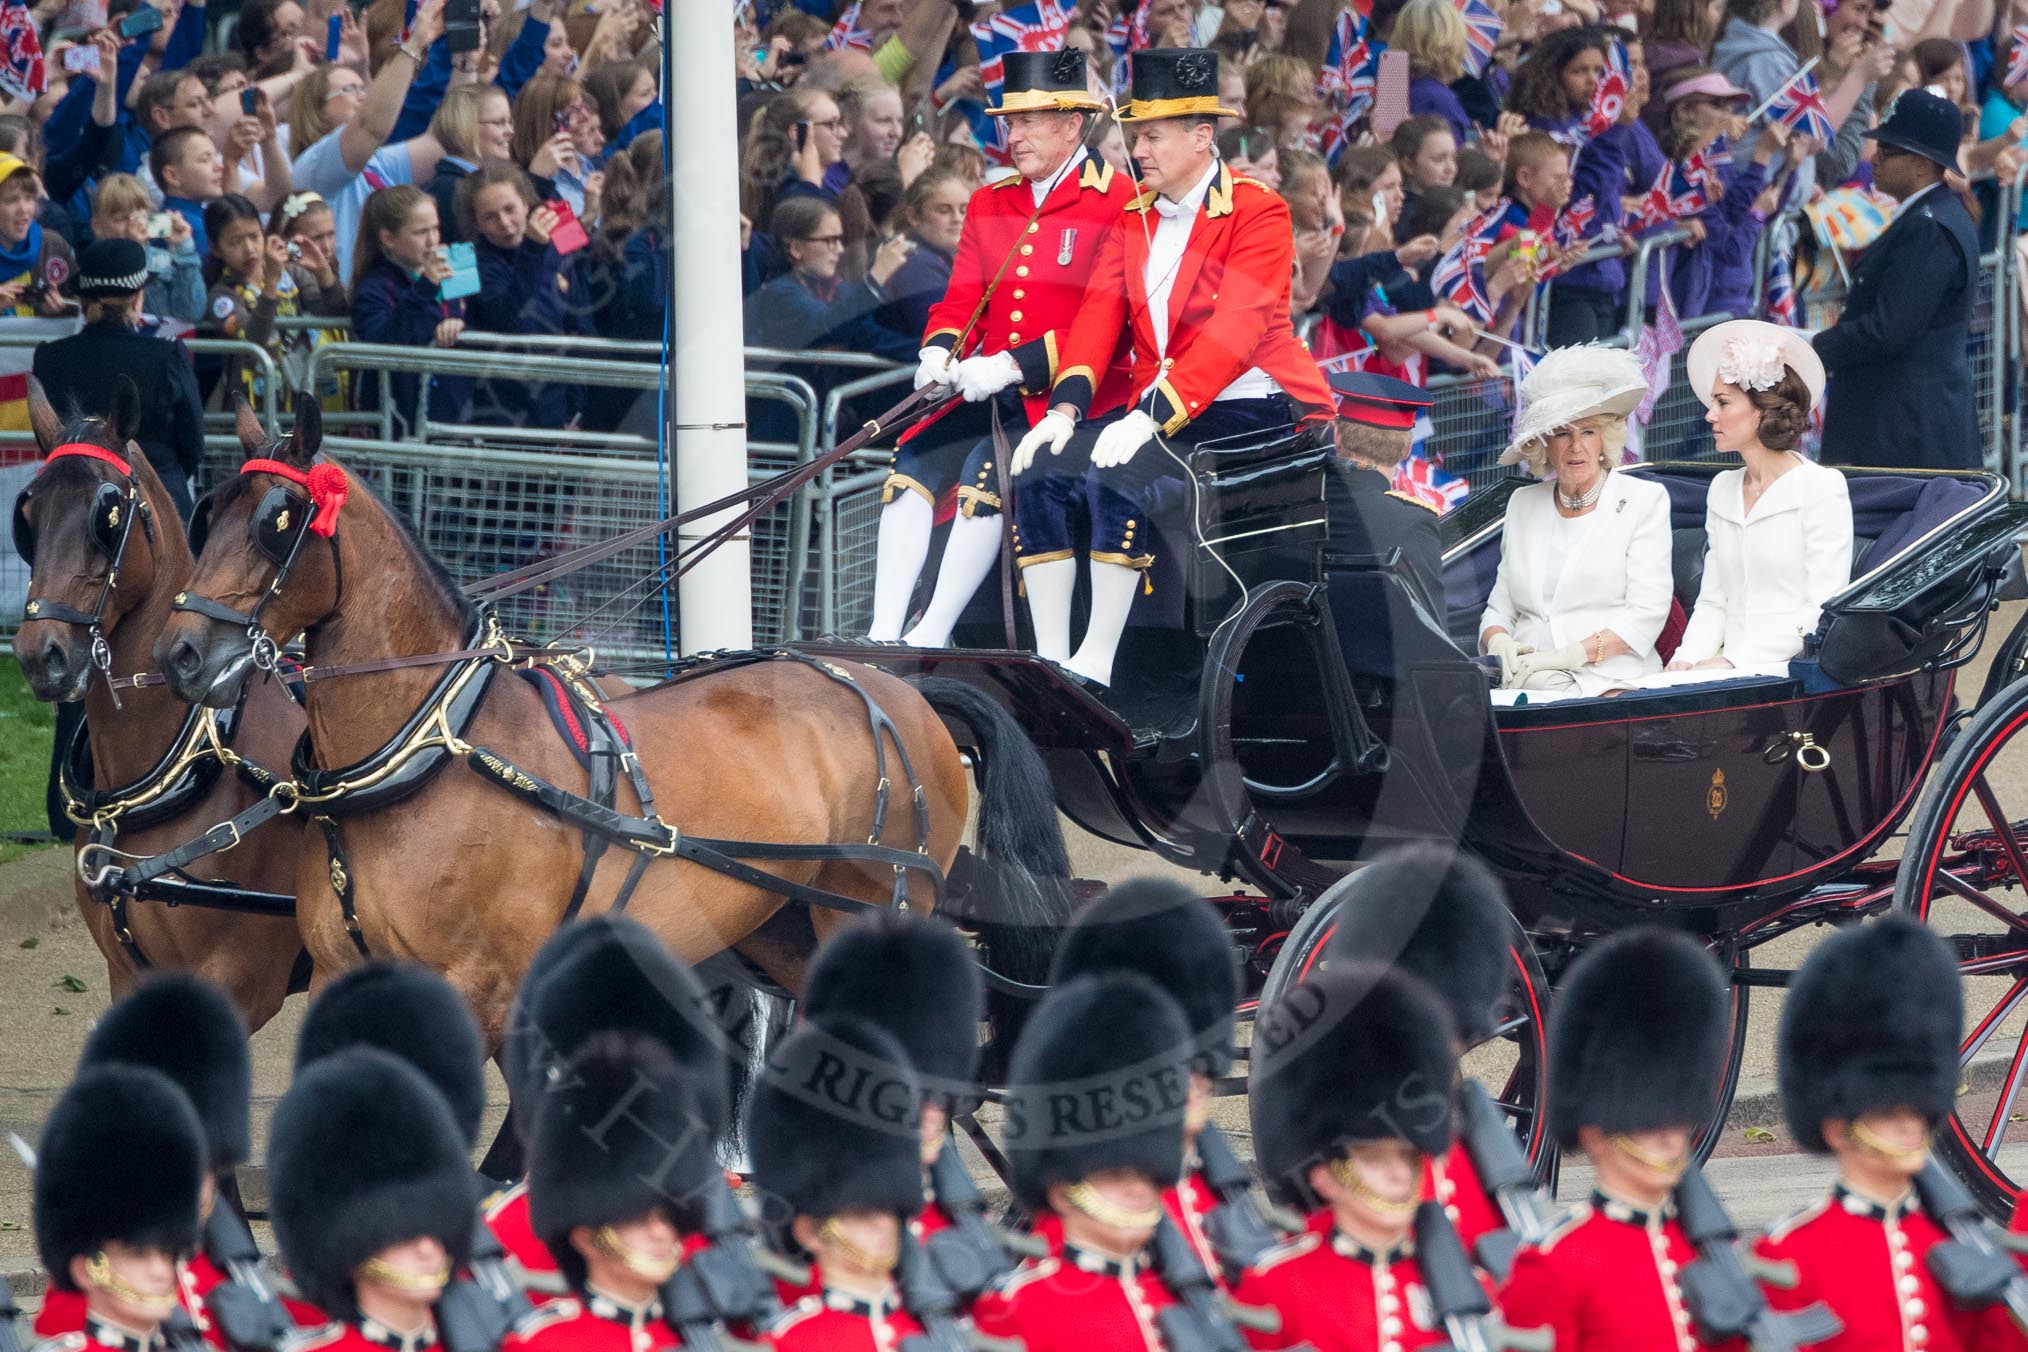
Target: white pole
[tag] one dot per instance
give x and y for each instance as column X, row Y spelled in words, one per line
column 707, row 383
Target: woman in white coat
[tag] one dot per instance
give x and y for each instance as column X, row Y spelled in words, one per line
column 1779, row 527
column 1584, row 582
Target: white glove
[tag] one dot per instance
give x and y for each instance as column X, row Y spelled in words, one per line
column 933, row 366
column 1117, row 444
column 980, row 378
column 1509, row 650
column 1053, row 431
column 1569, row 657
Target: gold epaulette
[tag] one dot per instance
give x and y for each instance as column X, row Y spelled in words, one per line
column 546, row 1316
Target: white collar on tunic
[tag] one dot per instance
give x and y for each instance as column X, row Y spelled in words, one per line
column 1186, row 207
column 1040, row 188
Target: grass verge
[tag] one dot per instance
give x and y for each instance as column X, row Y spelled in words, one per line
column 27, row 726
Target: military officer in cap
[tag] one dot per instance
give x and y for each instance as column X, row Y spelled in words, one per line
column 606, row 973
column 1636, row 1045
column 1367, row 517
column 1440, row 916
column 186, row 1028
column 117, row 1176
column 1026, row 252
column 1869, row 1065
column 834, row 1132
column 613, row 1191
column 1098, row 1094
column 1352, row 1100
column 1197, row 274
column 1166, row 933
column 372, row 1199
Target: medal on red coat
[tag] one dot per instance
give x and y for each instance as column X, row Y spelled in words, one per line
column 1063, row 250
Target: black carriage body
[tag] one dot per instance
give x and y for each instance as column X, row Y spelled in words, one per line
column 1702, row 807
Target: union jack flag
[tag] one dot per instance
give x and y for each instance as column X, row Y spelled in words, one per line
column 1426, row 481
column 1351, row 64
column 21, row 71
column 1575, row 222
column 1701, row 169
column 1483, row 26
column 1780, row 301
column 1800, row 106
column 2017, row 58
column 1523, row 362
column 848, row 33
column 1459, row 278
column 1658, row 342
column 1610, row 98
column 1037, row 26
column 1128, row 33
column 1656, row 206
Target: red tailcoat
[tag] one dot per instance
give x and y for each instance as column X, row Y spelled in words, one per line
column 1077, row 1302
column 1049, row 261
column 1606, row 1281
column 1868, row 1263
column 592, row 1324
column 1228, row 308
column 1337, row 1296
column 64, row 1311
column 1454, row 1181
column 834, row 1321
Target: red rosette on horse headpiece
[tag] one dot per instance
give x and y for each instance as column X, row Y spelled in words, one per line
column 324, row 482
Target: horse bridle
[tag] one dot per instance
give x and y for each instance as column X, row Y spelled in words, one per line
column 281, row 523
column 110, row 525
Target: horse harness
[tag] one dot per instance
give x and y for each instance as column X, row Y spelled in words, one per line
column 110, row 525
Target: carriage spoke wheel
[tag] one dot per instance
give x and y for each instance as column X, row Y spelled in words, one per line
column 1513, row 1064
column 1964, row 873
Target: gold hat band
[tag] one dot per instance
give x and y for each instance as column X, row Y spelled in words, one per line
column 1198, row 105
column 1046, row 101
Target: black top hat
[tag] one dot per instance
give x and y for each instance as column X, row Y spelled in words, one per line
column 1172, row 936
column 1871, row 1021
column 109, row 268
column 121, row 1157
column 913, row 977
column 1437, row 914
column 410, row 1011
column 1044, row 81
column 835, row 1124
column 189, row 1030
column 1174, row 82
column 1379, row 401
column 1924, row 124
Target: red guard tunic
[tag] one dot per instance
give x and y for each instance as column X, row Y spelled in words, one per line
column 1605, row 1281
column 1077, row 1301
column 96, row 1335
column 1188, row 1203
column 64, row 1311
column 1453, row 1180
column 595, row 1323
column 1336, row 1295
column 507, row 1218
column 365, row 1336
column 836, row 1321
column 1867, row 1263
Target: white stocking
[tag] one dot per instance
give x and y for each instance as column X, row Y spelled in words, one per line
column 1049, row 586
column 1112, row 596
column 904, row 544
column 969, row 553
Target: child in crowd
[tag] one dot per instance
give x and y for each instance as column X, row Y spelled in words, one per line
column 253, row 284
column 1427, row 153
column 304, row 223
column 122, row 209
column 400, row 266
column 187, row 166
column 1717, row 273
column 34, row 262
column 1479, row 178
column 525, row 286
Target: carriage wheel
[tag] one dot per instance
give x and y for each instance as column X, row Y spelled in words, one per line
column 1728, row 1084
column 1964, row 874
column 1513, row 1064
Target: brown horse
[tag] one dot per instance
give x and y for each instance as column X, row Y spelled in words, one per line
column 470, row 879
column 251, row 956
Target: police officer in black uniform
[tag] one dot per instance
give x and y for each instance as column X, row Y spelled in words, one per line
column 1367, row 518
column 1901, row 382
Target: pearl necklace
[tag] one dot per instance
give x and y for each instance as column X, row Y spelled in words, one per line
column 1578, row 504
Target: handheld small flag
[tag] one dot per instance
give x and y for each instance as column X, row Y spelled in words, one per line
column 1800, row 105
column 22, row 74
column 1609, row 99
column 848, row 33
column 1037, row 26
column 2017, row 58
column 1483, row 26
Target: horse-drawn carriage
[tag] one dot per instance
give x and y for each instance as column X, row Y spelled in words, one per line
column 1328, row 714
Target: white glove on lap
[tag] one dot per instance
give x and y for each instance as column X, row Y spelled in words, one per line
column 933, row 366
column 1053, row 431
column 1509, row 650
column 980, row 378
column 1569, row 657
column 1117, row 444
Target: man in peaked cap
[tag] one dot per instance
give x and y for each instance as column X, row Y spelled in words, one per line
column 372, row 1199
column 1869, row 1065
column 1366, row 516
column 837, row 1162
column 1636, row 1045
column 1440, row 916
column 613, row 1194
column 1098, row 1092
column 1352, row 1099
column 601, row 974
column 1025, row 253
column 186, row 1028
column 117, row 1176
column 1197, row 274
column 1168, row 934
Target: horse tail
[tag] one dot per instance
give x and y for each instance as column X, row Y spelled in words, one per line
column 1021, row 896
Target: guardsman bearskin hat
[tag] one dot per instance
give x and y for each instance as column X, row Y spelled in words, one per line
column 520, row 1045
column 1173, row 937
column 1873, row 1020
column 619, row 1134
column 617, row 976
column 833, row 1124
column 914, row 977
column 1358, row 1052
column 1637, row 1036
column 121, row 1157
column 408, row 1010
column 1099, row 1080
column 1437, row 914
column 364, row 1155
column 189, row 1029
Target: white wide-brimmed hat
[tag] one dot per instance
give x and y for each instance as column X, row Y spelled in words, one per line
column 1751, row 353
column 1571, row 383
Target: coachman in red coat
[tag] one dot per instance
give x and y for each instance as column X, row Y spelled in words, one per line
column 1196, row 273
